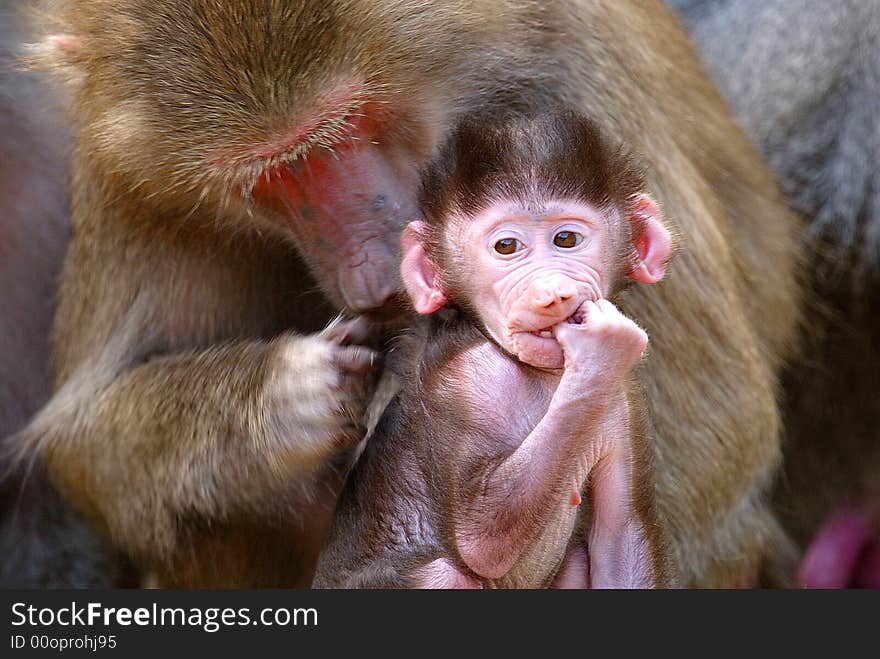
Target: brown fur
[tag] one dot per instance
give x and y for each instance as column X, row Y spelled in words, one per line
column 174, row 287
column 44, row 543
column 806, row 95
column 558, row 155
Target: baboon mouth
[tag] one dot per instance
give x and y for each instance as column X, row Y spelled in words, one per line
column 577, row 318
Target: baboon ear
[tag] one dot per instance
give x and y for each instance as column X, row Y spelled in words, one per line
column 419, row 274
column 652, row 244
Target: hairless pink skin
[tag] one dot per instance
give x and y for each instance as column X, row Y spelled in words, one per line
column 587, row 347
column 343, row 199
column 844, row 554
column 521, row 296
column 344, row 227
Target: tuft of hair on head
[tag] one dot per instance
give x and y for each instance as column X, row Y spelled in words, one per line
column 530, row 159
column 522, row 157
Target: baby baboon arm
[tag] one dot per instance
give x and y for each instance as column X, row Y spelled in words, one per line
column 574, row 574
column 622, row 550
column 586, row 431
column 505, row 505
column 520, row 497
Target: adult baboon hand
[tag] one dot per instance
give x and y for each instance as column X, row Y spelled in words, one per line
column 318, row 391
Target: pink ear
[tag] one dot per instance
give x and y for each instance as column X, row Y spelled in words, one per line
column 420, row 276
column 652, row 243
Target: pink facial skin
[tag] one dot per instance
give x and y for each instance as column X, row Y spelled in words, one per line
column 538, row 282
column 523, row 295
column 559, row 260
column 344, row 202
column 342, row 207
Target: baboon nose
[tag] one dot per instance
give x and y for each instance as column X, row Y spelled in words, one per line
column 548, row 294
column 368, row 288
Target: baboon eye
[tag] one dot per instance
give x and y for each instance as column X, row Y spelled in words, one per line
column 567, row 239
column 507, row 246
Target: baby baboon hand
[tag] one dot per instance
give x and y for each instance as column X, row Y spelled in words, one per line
column 605, row 344
column 319, row 389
